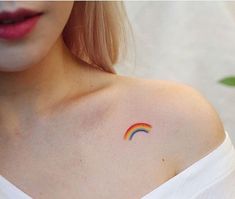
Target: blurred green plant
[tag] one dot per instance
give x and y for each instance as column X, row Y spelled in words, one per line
column 228, row 81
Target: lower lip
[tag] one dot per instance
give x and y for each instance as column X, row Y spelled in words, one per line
column 18, row 30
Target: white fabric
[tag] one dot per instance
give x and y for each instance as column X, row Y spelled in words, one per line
column 10, row 191
column 212, row 177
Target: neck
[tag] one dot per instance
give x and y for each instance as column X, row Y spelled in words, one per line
column 24, row 95
column 40, row 76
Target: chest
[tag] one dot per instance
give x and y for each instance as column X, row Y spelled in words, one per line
column 71, row 158
column 89, row 170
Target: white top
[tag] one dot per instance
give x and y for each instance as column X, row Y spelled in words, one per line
column 213, row 176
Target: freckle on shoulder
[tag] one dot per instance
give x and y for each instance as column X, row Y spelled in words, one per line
column 201, row 129
column 199, row 126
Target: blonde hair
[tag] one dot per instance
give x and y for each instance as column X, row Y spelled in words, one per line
column 98, row 33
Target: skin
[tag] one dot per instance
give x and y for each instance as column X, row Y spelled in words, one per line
column 34, row 66
column 61, row 131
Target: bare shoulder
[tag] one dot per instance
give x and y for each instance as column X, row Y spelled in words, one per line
column 187, row 122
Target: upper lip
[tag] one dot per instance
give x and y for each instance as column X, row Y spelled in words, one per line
column 21, row 12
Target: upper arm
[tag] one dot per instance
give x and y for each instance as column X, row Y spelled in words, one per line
column 186, row 126
column 200, row 128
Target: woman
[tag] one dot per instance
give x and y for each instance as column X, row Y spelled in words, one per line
column 72, row 128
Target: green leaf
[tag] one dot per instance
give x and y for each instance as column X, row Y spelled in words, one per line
column 229, row 81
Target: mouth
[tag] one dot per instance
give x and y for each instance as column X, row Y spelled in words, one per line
column 18, row 24
column 17, row 16
column 17, row 20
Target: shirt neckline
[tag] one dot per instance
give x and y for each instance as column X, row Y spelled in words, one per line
column 224, row 147
column 216, row 164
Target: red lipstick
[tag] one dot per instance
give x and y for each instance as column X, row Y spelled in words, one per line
column 17, row 24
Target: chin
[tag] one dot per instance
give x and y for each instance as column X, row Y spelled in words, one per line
column 21, row 63
column 16, row 66
column 13, row 69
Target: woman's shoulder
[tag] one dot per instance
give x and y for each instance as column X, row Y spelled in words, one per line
column 185, row 117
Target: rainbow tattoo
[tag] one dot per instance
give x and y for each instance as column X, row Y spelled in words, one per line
column 135, row 128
